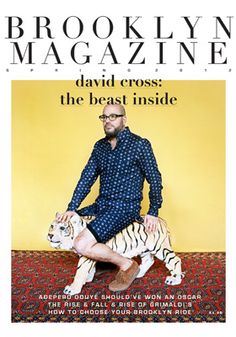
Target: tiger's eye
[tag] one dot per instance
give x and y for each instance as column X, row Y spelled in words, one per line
column 62, row 228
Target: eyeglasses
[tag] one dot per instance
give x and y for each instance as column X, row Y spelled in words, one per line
column 111, row 117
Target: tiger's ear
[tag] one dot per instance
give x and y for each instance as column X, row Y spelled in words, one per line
column 57, row 214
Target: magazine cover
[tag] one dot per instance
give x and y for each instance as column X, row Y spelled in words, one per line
column 117, row 181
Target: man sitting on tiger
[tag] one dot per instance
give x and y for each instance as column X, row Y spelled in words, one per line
column 122, row 160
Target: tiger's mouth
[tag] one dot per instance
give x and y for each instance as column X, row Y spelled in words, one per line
column 55, row 244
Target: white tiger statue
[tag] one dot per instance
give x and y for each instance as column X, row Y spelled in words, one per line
column 132, row 241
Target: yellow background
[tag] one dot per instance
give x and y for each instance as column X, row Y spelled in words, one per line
column 51, row 144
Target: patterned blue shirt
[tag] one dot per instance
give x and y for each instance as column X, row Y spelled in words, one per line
column 122, row 171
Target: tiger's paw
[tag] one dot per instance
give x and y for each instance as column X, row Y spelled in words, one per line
column 71, row 290
column 173, row 280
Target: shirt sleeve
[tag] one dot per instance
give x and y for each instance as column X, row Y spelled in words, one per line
column 153, row 176
column 87, row 179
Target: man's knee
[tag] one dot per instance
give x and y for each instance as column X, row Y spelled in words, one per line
column 84, row 242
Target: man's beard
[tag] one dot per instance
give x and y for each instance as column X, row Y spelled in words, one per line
column 113, row 132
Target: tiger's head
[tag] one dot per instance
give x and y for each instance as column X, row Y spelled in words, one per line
column 61, row 235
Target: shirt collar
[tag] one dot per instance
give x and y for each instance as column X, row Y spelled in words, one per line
column 124, row 134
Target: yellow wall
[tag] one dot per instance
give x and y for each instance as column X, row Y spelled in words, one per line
column 51, row 144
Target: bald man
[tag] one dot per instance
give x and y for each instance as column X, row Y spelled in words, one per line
column 123, row 161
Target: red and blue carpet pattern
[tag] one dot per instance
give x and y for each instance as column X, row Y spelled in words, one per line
column 39, row 277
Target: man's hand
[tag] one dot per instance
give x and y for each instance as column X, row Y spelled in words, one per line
column 65, row 217
column 151, row 223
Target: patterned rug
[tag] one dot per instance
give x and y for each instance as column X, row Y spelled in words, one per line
column 39, row 277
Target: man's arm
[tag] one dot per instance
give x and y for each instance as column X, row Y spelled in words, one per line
column 87, row 179
column 153, row 177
